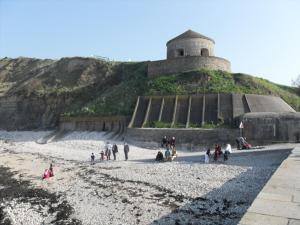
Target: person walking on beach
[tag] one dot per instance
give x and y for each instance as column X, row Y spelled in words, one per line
column 92, row 159
column 114, row 151
column 126, row 151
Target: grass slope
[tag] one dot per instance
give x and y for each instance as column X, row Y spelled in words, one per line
column 96, row 87
column 120, row 99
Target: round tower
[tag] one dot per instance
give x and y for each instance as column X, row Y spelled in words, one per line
column 190, row 43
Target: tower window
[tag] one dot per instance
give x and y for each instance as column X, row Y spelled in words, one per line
column 204, row 52
column 180, row 52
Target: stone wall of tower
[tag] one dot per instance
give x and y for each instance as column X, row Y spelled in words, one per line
column 190, row 47
column 185, row 64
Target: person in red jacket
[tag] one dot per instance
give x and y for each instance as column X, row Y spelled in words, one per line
column 217, row 152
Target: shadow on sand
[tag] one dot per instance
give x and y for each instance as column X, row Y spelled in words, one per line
column 227, row 204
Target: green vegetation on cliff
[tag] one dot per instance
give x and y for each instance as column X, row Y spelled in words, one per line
column 120, row 99
column 88, row 86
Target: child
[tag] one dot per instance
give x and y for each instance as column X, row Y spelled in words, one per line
column 102, row 155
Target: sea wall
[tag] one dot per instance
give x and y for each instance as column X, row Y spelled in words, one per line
column 191, row 139
column 109, row 123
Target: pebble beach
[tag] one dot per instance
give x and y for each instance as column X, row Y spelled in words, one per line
column 138, row 191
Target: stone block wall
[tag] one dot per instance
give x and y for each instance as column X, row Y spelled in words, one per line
column 112, row 123
column 191, row 139
column 185, row 64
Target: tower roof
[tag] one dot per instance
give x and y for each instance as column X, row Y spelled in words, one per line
column 190, row 34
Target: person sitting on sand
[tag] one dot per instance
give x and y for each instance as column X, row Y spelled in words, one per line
column 227, row 152
column 228, row 148
column 159, row 156
column 46, row 174
column 168, row 155
column 174, row 153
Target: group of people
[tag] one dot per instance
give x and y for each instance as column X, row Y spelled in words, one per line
column 242, row 143
column 170, row 150
column 110, row 149
column 218, row 152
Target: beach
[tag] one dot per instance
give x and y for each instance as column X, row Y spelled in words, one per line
column 137, row 191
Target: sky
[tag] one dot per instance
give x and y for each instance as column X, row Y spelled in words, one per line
column 258, row 37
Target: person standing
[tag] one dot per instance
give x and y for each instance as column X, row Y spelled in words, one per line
column 126, row 151
column 109, row 148
column 51, row 170
column 172, row 142
column 92, row 158
column 164, row 142
column 207, row 155
column 217, row 152
column 102, row 155
column 114, row 151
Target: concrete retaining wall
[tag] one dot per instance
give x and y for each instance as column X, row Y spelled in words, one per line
column 113, row 123
column 191, row 139
column 263, row 128
column 188, row 111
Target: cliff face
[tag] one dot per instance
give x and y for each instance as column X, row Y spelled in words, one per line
column 34, row 92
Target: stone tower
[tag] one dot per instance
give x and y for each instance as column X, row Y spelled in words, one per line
column 190, row 43
column 187, row 52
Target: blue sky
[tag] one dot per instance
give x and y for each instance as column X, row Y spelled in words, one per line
column 260, row 38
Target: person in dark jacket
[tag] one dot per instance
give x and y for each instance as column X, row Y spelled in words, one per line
column 114, row 151
column 164, row 142
column 92, row 158
column 126, row 151
column 159, row 156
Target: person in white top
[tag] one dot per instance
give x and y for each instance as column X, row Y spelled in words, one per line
column 228, row 148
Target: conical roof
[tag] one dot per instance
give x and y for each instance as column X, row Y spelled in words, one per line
column 190, row 34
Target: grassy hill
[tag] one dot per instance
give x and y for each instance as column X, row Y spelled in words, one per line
column 45, row 89
column 120, row 99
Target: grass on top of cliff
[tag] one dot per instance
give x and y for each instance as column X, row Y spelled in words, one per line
column 120, row 99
